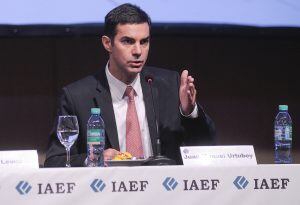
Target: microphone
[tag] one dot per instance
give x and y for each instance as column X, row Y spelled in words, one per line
column 158, row 159
column 149, row 79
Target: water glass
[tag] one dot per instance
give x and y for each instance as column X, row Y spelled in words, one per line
column 67, row 133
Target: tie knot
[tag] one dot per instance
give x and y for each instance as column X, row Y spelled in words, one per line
column 129, row 92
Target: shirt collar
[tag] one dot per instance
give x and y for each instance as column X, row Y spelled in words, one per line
column 117, row 87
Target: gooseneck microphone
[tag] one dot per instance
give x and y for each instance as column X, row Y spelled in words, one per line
column 158, row 159
column 149, row 80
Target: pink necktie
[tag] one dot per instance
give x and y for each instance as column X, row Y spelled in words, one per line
column 133, row 132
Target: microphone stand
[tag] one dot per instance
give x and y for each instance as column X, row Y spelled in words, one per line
column 158, row 159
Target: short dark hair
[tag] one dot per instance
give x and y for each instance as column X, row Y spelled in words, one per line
column 124, row 14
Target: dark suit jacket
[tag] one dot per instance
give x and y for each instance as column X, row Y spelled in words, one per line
column 93, row 91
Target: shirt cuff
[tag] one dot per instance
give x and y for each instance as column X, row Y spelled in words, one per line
column 194, row 114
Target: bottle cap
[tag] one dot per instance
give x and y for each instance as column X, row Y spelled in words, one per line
column 95, row 111
column 283, row 107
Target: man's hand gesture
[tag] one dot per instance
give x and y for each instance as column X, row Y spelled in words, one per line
column 187, row 93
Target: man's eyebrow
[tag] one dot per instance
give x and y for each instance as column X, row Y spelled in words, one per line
column 147, row 38
column 127, row 37
column 130, row 38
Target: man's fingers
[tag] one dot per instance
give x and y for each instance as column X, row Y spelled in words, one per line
column 190, row 79
column 192, row 92
column 110, row 154
column 187, row 81
column 191, row 85
column 184, row 77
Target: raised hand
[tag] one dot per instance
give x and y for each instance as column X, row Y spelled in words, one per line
column 187, row 93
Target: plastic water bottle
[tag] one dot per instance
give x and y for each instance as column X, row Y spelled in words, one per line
column 95, row 139
column 283, row 136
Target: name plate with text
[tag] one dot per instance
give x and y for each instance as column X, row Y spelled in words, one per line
column 19, row 159
column 218, row 155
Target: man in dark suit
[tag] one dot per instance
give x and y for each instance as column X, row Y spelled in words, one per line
column 181, row 121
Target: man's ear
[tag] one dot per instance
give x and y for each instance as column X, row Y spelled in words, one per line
column 106, row 43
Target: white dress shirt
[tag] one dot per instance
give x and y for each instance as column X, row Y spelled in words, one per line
column 117, row 89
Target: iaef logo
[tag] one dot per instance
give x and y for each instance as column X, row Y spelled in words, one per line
column 240, row 182
column 23, row 187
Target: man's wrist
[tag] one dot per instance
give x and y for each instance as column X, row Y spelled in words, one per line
column 193, row 114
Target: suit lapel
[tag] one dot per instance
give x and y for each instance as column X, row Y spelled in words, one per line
column 104, row 101
column 149, row 107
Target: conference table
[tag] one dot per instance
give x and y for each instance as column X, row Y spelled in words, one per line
column 216, row 185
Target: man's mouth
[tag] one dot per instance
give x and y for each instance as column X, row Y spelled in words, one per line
column 136, row 63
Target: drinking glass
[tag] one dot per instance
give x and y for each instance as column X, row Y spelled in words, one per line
column 67, row 133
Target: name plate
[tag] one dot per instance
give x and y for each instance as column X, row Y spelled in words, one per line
column 218, row 155
column 19, row 159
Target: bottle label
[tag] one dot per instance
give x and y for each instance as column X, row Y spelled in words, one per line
column 288, row 133
column 95, row 136
column 283, row 133
column 278, row 134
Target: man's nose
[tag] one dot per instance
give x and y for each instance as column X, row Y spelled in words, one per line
column 137, row 51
